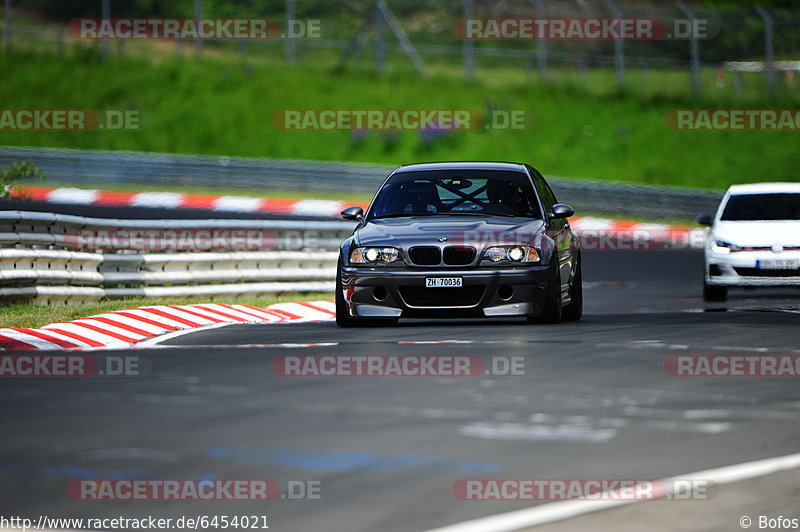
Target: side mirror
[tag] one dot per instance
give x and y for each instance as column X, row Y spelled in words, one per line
column 705, row 219
column 355, row 214
column 560, row 210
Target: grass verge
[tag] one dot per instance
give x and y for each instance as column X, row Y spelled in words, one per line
column 220, row 104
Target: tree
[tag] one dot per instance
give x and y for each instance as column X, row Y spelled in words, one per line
column 16, row 172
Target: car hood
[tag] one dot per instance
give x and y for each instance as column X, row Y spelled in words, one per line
column 753, row 234
column 458, row 230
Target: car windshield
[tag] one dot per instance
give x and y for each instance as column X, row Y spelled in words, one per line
column 759, row 207
column 456, row 192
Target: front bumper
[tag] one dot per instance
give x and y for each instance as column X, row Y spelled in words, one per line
column 741, row 268
column 395, row 293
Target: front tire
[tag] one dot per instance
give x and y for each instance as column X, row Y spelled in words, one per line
column 343, row 318
column 552, row 301
column 714, row 293
column 574, row 311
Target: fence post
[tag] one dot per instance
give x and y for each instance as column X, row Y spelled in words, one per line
column 619, row 46
column 694, row 49
column 402, row 38
column 198, row 14
column 289, row 35
column 769, row 67
column 541, row 44
column 380, row 41
column 467, row 46
column 7, row 25
column 106, row 15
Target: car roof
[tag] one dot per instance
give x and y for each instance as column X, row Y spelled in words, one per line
column 462, row 165
column 762, row 188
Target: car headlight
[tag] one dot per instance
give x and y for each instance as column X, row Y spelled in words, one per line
column 512, row 253
column 373, row 255
column 723, row 246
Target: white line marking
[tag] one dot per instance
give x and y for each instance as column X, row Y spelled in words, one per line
column 558, row 511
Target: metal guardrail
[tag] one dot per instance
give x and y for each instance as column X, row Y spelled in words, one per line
column 38, row 261
column 103, row 168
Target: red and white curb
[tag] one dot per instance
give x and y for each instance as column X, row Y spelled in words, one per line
column 175, row 200
column 124, row 328
column 587, row 225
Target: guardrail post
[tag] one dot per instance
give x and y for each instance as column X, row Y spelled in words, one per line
column 619, row 46
column 694, row 49
column 467, row 46
column 769, row 67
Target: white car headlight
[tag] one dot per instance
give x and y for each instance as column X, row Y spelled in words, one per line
column 512, row 253
column 373, row 255
column 723, row 246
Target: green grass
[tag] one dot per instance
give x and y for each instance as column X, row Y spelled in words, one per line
column 221, row 104
column 32, row 316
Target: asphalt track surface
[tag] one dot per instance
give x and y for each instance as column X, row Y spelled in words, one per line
column 594, row 402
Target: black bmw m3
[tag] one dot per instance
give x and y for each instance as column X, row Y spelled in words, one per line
column 460, row 240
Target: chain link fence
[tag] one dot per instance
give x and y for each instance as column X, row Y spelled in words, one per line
column 383, row 34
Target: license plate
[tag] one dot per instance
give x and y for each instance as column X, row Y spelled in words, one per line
column 443, row 282
column 778, row 264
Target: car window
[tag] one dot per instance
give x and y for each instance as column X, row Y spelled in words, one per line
column 456, row 192
column 545, row 193
column 755, row 207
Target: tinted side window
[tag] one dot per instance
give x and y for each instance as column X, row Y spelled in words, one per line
column 552, row 194
column 543, row 189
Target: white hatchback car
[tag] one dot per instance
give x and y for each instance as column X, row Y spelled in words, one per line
column 754, row 239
